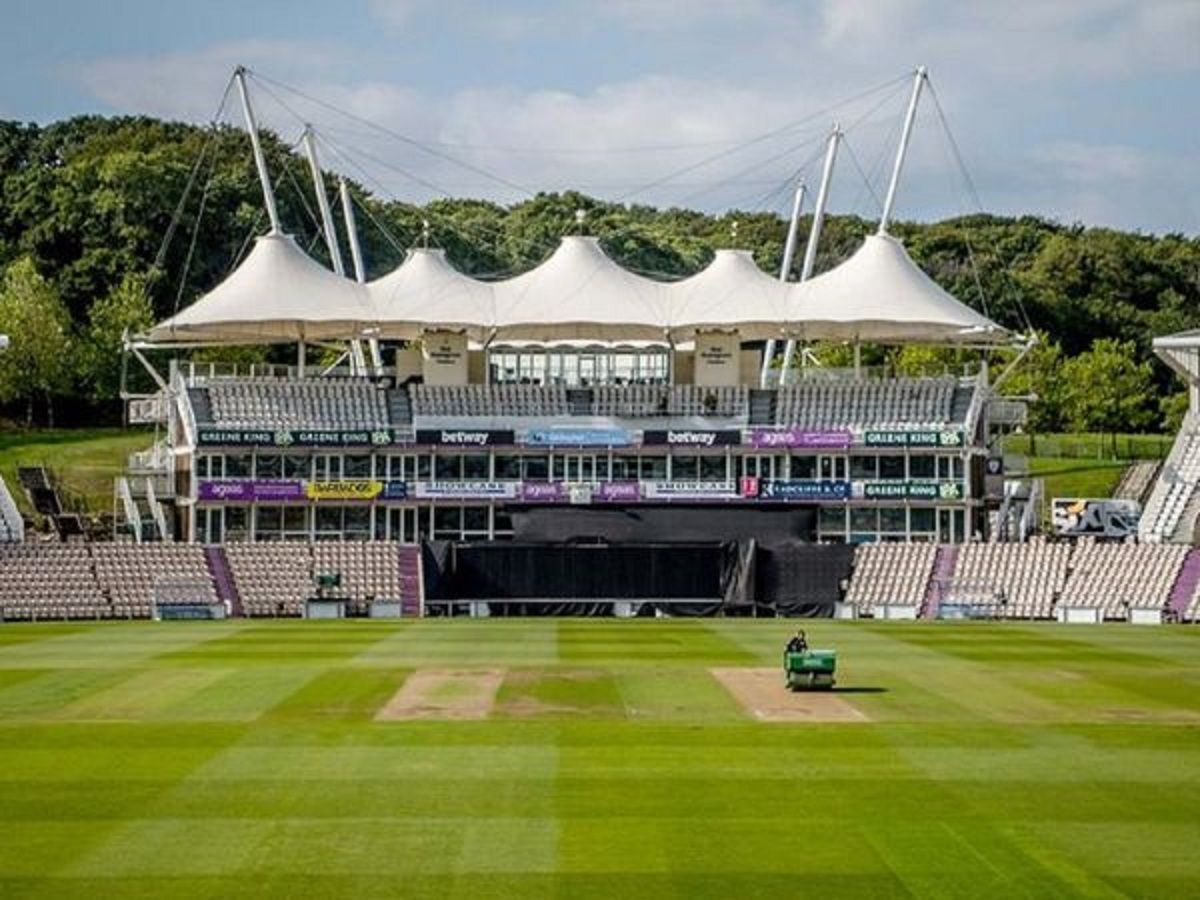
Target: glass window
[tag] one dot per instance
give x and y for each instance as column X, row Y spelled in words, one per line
column 922, row 467
column 475, row 467
column 653, row 468
column 237, row 465
column 804, row 467
column 602, row 468
column 508, row 467
column 357, row 465
column 503, row 524
column 864, row 467
column 269, row 466
column 864, row 519
column 295, row 466
column 712, row 468
column 295, row 518
column 447, row 468
column 832, row 519
column 892, row 519
column 685, row 468
column 358, row 522
column 891, row 467
column 624, row 468
column 237, row 523
column 268, row 520
column 536, row 468
column 423, row 467
column 559, row 468
column 329, row 519
column 921, row 519
column 447, row 521
column 475, row 518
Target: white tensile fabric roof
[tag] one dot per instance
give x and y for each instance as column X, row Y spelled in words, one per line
column 280, row 294
column 731, row 292
column 880, row 294
column 579, row 292
column 425, row 289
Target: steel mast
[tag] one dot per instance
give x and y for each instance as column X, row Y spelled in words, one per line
column 785, row 269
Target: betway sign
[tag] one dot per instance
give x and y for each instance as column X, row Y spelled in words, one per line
column 691, row 438
column 460, row 437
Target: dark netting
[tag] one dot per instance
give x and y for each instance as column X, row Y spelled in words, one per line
column 579, row 572
column 652, row 524
column 796, row 579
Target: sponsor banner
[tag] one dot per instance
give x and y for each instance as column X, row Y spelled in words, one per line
column 343, row 490
column 394, row 490
column 946, row 438
column 617, row 492
column 544, row 492
column 749, row 485
column 464, row 437
column 804, row 489
column 690, row 437
column 690, row 490
column 250, row 491
column 237, row 437
column 766, row 438
column 577, row 437
column 911, row 490
column 467, row 490
column 1073, row 517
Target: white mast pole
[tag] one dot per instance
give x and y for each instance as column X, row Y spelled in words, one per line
column 260, row 161
column 314, row 168
column 909, row 118
column 814, row 233
column 785, row 268
column 360, row 271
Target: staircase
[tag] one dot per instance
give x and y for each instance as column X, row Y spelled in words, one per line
column 227, row 592
column 580, row 401
column 944, row 564
column 399, row 406
column 1185, row 585
column 202, row 412
column 762, row 407
column 412, row 585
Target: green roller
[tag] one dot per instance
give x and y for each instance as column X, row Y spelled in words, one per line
column 809, row 669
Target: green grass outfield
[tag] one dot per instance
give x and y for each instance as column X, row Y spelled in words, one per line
column 240, row 759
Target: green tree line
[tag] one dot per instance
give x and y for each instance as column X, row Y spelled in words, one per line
column 94, row 239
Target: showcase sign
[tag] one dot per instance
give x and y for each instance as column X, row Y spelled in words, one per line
column 461, row 437
column 467, row 490
column 544, row 492
column 768, row 438
column 577, row 437
column 250, row 491
column 802, row 490
column 691, row 438
column 947, row 438
column 690, row 490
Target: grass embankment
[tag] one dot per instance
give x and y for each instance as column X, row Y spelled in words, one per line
column 245, row 760
column 1085, row 465
column 85, row 460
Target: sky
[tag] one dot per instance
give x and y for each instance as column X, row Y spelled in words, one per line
column 1077, row 110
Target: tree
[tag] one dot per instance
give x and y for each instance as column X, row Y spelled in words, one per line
column 1039, row 375
column 1106, row 389
column 125, row 308
column 37, row 362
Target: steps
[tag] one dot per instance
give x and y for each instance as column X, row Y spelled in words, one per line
column 227, row 592
column 1185, row 585
column 944, row 564
column 399, row 406
column 412, row 587
column 762, row 407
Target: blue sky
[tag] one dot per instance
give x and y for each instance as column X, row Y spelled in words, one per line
column 1081, row 111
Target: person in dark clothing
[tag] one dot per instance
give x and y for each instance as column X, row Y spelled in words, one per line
column 798, row 643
